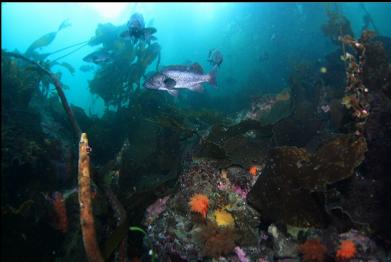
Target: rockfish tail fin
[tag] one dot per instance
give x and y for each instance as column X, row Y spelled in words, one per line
column 197, row 88
column 172, row 92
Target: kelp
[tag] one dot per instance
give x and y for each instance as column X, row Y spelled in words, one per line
column 359, row 76
column 57, row 85
column 115, row 82
column 118, row 81
column 18, row 83
column 67, row 66
column 87, row 221
column 293, row 181
column 106, row 34
column 244, row 144
column 336, row 26
column 46, row 39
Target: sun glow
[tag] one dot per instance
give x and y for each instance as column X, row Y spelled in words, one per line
column 108, row 10
column 207, row 10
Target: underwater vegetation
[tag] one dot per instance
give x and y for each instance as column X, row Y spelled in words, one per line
column 299, row 174
column 46, row 39
column 122, row 65
column 337, row 25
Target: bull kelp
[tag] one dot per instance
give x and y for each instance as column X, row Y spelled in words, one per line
column 196, row 132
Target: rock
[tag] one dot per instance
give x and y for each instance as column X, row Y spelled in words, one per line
column 291, row 185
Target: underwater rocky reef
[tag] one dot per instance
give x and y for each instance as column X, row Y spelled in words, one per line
column 298, row 175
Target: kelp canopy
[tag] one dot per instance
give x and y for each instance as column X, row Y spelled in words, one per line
column 115, row 81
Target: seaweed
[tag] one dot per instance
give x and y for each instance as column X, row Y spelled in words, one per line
column 233, row 146
column 287, row 191
column 336, row 26
column 117, row 81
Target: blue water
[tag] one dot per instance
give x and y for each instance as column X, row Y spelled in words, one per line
column 287, row 33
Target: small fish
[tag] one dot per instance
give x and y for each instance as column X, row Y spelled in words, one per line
column 145, row 34
column 172, row 78
column 136, row 26
column 137, row 30
column 98, row 57
column 215, row 57
column 136, row 21
column 86, row 68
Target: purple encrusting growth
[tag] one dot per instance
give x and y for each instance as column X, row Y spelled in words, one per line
column 241, row 254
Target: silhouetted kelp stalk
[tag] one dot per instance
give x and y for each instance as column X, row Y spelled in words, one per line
column 81, row 45
column 118, row 236
column 356, row 97
column 69, row 53
column 58, row 87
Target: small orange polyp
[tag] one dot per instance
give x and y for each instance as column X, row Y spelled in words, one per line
column 253, row 170
column 199, row 203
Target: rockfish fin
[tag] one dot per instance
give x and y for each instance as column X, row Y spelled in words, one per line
column 172, row 92
column 169, row 82
column 197, row 88
column 196, row 68
column 150, row 30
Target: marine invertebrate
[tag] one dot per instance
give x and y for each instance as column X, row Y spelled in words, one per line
column 241, row 191
column 241, row 254
column 253, row 170
column 61, row 212
column 217, row 241
column 347, row 250
column 313, row 250
column 223, row 218
column 199, row 203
